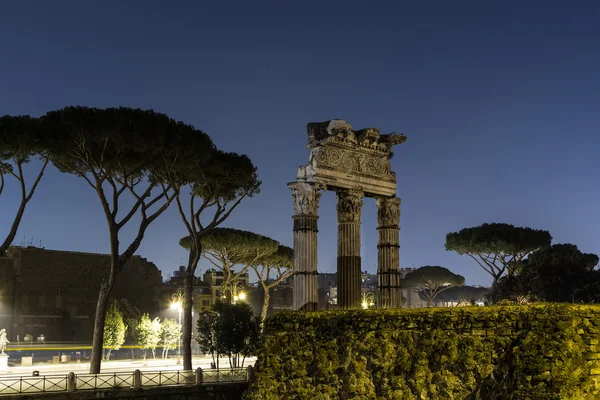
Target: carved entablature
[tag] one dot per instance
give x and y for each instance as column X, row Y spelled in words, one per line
column 388, row 211
column 305, row 197
column 353, row 161
column 349, row 205
column 342, row 158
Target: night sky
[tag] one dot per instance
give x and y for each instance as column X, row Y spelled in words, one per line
column 499, row 100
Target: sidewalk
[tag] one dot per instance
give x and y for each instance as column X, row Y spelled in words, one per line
column 115, row 366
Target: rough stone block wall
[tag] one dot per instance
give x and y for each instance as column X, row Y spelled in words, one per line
column 223, row 392
column 545, row 352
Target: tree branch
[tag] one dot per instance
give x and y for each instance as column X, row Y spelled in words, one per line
column 9, row 171
column 37, row 180
column 491, row 272
column 139, row 202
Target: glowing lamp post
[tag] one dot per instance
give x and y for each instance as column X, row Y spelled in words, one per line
column 367, row 300
column 177, row 304
column 236, row 292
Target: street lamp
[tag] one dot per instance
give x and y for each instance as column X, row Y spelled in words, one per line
column 177, row 304
column 236, row 292
column 367, row 300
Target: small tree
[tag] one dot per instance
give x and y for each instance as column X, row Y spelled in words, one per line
column 114, row 329
column 131, row 317
column 207, row 333
column 238, row 332
column 169, row 335
column 430, row 281
column 148, row 334
column 281, row 263
column 21, row 139
column 496, row 247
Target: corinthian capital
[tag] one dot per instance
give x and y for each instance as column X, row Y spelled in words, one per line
column 388, row 211
column 306, row 197
column 349, row 205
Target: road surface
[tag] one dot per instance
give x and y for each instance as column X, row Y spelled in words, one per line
column 117, row 366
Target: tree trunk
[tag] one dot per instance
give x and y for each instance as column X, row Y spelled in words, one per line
column 98, row 339
column 265, row 306
column 24, row 200
column 188, row 301
column 13, row 229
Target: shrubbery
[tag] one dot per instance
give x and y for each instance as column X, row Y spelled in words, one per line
column 513, row 352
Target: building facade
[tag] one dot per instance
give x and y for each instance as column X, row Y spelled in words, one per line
column 54, row 293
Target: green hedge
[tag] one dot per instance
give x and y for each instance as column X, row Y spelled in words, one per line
column 545, row 351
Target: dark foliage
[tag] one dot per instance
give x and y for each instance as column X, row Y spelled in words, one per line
column 560, row 273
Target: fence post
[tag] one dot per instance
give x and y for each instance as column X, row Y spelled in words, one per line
column 198, row 376
column 71, row 382
column 137, row 379
column 250, row 373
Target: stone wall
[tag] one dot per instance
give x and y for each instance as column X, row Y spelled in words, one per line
column 536, row 352
column 56, row 291
column 221, row 392
column 6, row 289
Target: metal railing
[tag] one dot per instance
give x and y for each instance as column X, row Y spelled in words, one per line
column 33, row 384
column 225, row 375
column 168, row 378
column 104, row 381
column 10, row 386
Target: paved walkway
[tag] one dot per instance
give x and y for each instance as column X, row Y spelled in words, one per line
column 117, row 366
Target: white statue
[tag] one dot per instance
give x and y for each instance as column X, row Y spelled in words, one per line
column 3, row 340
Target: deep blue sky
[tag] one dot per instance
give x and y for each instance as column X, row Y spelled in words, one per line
column 499, row 100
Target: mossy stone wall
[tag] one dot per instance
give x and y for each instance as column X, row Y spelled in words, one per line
column 548, row 351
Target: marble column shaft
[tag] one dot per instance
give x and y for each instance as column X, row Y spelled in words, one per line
column 388, row 257
column 349, row 207
column 306, row 198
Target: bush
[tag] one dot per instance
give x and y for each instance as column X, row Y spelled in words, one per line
column 513, row 352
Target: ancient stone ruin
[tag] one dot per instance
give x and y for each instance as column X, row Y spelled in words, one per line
column 354, row 164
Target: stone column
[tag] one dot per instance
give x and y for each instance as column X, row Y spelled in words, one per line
column 306, row 198
column 388, row 257
column 349, row 207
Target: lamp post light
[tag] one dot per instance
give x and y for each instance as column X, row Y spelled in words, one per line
column 368, row 300
column 236, row 290
column 177, row 304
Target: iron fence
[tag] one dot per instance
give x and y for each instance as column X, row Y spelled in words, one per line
column 11, row 386
column 33, row 384
column 115, row 380
column 168, row 378
column 224, row 375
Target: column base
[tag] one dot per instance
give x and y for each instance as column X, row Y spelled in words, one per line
column 349, row 282
column 388, row 290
